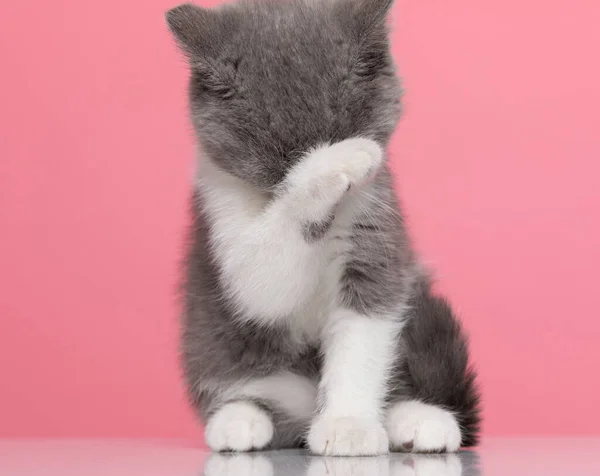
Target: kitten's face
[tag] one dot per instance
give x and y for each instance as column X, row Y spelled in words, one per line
column 272, row 79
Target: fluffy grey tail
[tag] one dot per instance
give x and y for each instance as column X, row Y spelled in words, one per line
column 436, row 368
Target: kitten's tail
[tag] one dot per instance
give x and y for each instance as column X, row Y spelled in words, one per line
column 436, row 367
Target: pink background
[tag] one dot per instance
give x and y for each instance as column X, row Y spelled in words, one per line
column 498, row 160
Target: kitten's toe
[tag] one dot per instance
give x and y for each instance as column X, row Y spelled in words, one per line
column 239, row 426
column 347, row 437
column 420, row 428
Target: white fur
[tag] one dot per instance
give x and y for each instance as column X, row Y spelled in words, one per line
column 238, row 465
column 267, row 265
column 428, row 427
column 239, row 426
column 359, row 353
column 348, row 436
column 293, row 393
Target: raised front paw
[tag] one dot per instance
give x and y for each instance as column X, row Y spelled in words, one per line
column 347, row 436
column 239, row 426
column 319, row 183
column 358, row 159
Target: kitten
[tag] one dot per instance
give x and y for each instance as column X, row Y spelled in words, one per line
column 308, row 320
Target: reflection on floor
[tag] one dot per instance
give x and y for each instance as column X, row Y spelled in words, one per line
column 289, row 463
column 496, row 457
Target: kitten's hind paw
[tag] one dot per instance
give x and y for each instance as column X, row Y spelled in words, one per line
column 239, row 426
column 420, row 428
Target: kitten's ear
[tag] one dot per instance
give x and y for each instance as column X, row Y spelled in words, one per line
column 201, row 34
column 198, row 31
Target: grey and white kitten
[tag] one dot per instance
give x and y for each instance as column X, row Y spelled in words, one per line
column 308, row 320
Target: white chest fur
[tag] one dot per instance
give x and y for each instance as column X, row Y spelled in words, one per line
column 268, row 268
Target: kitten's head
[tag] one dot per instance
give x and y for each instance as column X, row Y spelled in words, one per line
column 270, row 79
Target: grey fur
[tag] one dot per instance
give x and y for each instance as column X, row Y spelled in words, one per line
column 382, row 266
column 269, row 81
column 219, row 350
column 435, row 366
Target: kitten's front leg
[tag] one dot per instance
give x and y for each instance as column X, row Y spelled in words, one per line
column 359, row 353
column 273, row 264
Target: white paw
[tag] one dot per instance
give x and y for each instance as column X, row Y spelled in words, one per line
column 239, row 426
column 316, row 188
column 322, row 179
column 377, row 466
column 416, row 427
column 358, row 159
column 426, row 465
column 326, row 191
column 238, row 465
column 347, row 437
